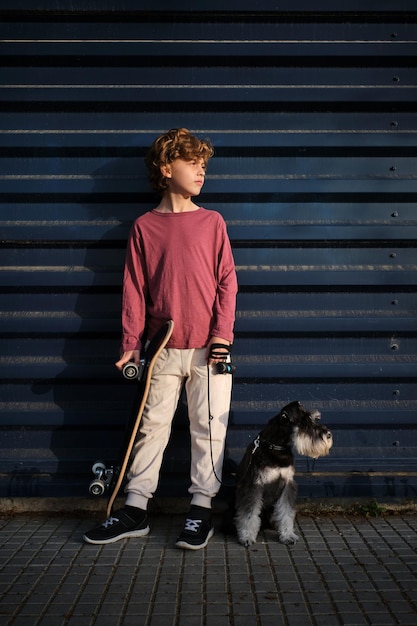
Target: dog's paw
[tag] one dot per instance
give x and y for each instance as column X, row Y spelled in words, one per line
column 289, row 539
column 246, row 540
column 247, row 529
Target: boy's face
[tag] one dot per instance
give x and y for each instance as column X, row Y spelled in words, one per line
column 185, row 177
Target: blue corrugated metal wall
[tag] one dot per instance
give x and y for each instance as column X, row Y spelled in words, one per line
column 314, row 118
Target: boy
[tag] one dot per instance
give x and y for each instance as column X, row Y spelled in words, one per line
column 179, row 266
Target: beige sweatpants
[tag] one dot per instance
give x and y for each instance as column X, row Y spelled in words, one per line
column 173, row 369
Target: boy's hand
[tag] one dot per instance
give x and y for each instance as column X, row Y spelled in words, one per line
column 226, row 349
column 131, row 355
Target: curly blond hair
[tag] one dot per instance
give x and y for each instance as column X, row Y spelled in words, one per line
column 177, row 143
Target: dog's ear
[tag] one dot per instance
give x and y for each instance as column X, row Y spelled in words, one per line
column 286, row 417
column 290, row 413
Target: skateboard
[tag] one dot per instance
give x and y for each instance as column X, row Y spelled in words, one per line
column 111, row 478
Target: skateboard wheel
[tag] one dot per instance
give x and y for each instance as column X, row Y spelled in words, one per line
column 97, row 487
column 98, row 467
column 130, row 370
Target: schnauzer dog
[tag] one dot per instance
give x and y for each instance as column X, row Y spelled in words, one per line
column 265, row 476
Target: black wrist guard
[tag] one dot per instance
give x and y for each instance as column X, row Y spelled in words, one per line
column 217, row 351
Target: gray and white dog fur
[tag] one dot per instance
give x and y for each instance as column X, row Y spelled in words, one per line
column 265, row 485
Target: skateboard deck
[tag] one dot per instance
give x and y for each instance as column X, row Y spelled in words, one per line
column 111, row 479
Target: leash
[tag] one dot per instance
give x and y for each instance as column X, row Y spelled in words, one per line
column 221, row 368
column 228, row 368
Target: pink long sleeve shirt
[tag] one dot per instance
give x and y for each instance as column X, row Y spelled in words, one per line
column 179, row 266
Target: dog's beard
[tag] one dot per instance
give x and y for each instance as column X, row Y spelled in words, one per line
column 313, row 447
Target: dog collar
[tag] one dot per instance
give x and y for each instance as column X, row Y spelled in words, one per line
column 271, row 446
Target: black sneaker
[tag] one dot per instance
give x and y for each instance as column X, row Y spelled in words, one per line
column 120, row 525
column 197, row 531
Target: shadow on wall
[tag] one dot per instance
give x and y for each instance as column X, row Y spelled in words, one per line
column 93, row 400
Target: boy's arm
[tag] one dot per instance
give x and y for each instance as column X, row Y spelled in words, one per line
column 225, row 304
column 134, row 295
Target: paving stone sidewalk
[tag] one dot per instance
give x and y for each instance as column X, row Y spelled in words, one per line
column 344, row 571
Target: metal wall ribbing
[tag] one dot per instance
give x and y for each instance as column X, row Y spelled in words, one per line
column 313, row 116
